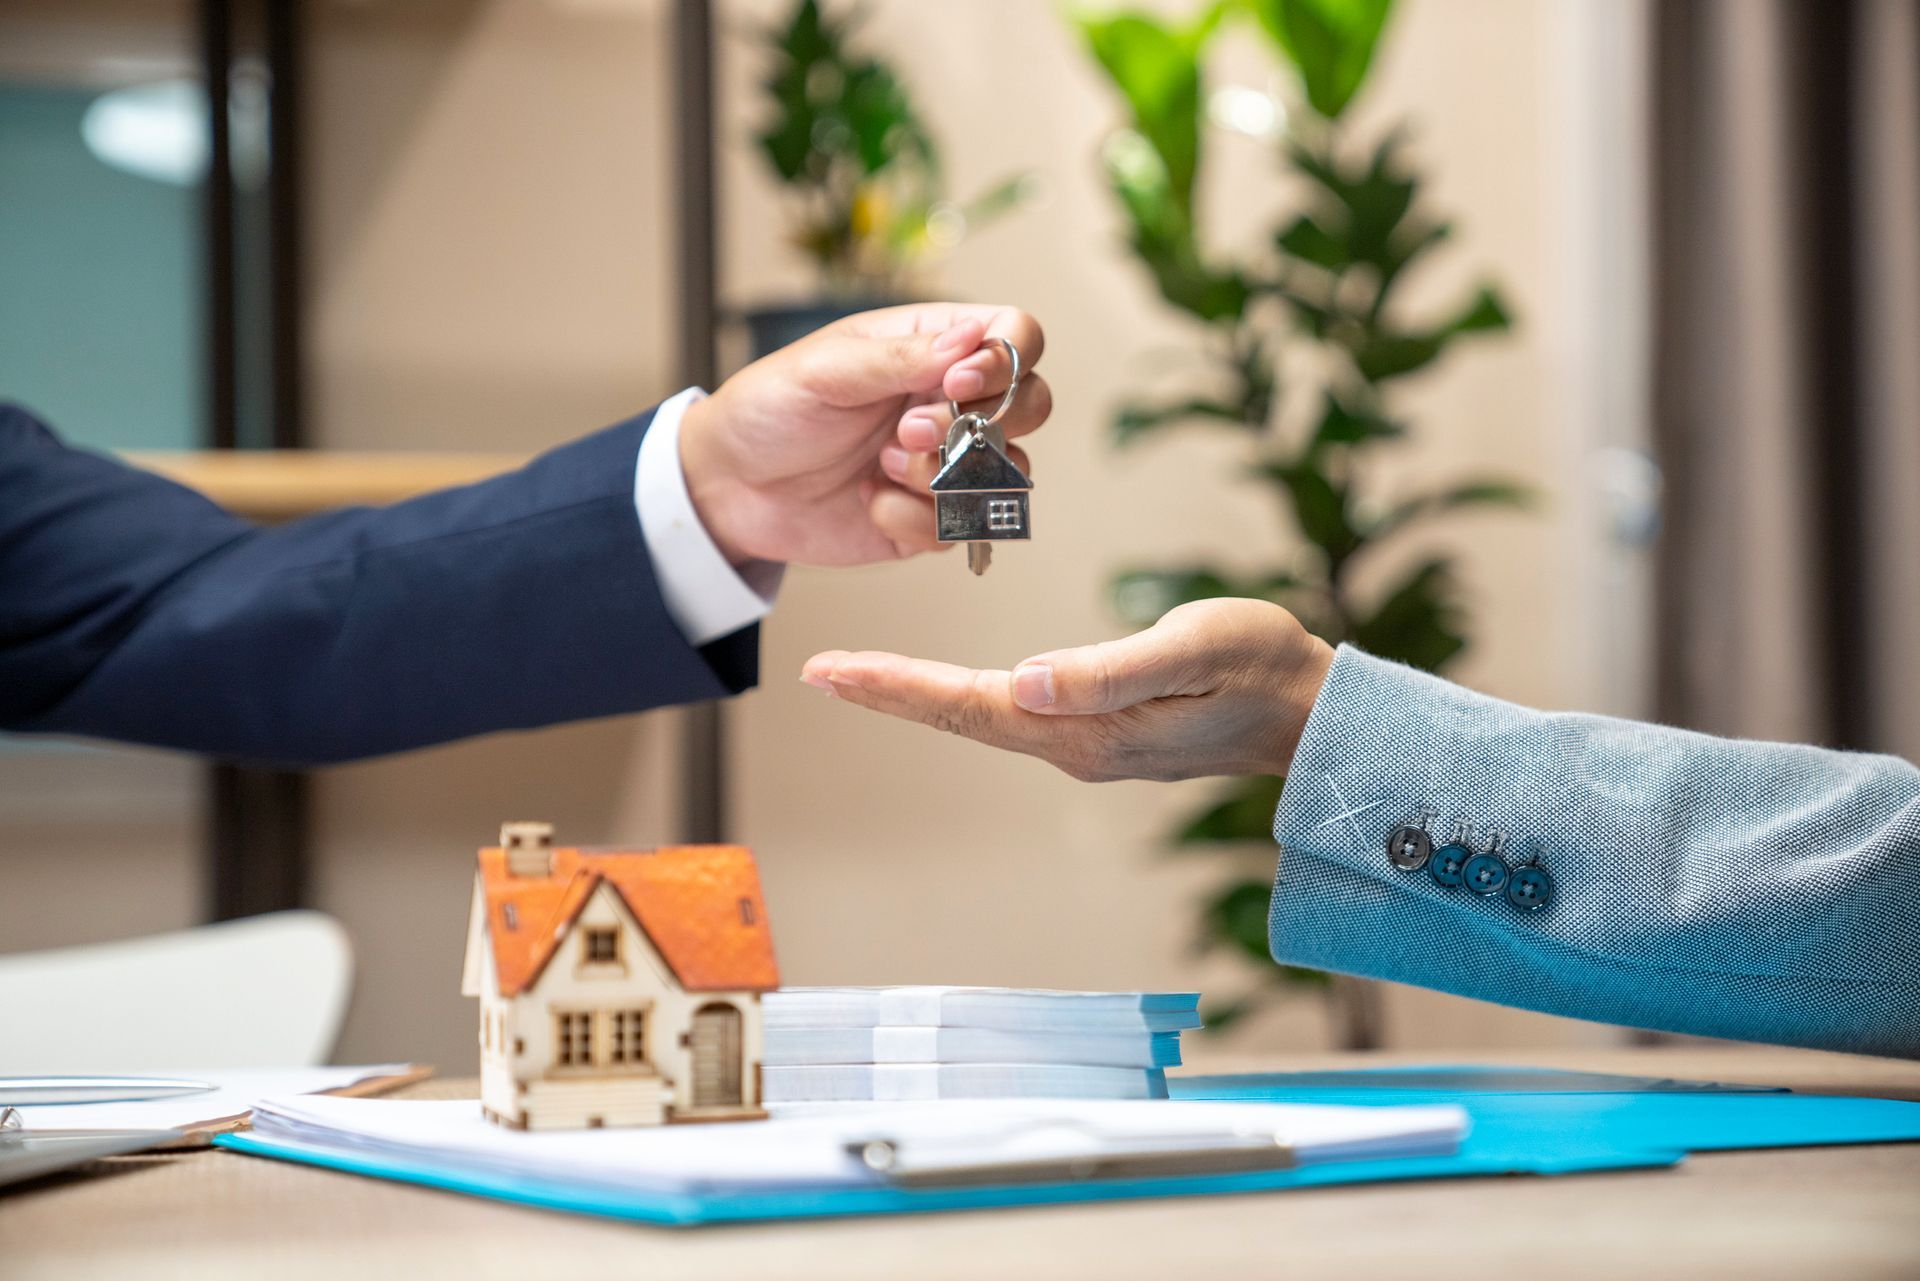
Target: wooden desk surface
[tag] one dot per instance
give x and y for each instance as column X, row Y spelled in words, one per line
column 1848, row 1212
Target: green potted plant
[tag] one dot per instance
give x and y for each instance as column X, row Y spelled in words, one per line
column 1326, row 279
column 861, row 174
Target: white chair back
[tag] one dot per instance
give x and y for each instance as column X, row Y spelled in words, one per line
column 267, row 991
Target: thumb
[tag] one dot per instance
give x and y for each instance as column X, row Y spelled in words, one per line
column 1112, row 675
column 852, row 369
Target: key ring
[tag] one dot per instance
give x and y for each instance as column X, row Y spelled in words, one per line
column 1006, row 401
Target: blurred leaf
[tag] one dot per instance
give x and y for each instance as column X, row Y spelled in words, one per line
column 1389, row 355
column 1407, row 244
column 1476, row 493
column 1244, row 813
column 1275, row 585
column 1309, row 241
column 998, row 200
column 1330, row 43
column 834, row 107
column 1156, row 67
column 1320, row 507
column 1162, row 233
column 1339, row 425
column 1366, row 204
column 787, row 140
column 1218, row 1016
column 1208, row 295
column 1366, row 219
column 1300, row 976
column 1281, row 981
column 1315, row 317
column 1484, row 314
column 1416, row 622
column 1135, row 420
column 1236, row 918
column 1141, row 596
column 1377, row 202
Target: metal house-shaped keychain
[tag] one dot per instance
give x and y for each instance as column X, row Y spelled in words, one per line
column 980, row 496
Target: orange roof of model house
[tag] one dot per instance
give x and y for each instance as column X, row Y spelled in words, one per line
column 700, row 906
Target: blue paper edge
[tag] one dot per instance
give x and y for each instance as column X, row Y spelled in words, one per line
column 1544, row 1080
column 1707, row 1121
column 683, row 1210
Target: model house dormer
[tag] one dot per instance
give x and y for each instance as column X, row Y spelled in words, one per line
column 617, row 987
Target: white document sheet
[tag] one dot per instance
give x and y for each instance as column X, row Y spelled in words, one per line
column 240, row 1089
column 808, row 1046
column 1015, row 1009
column 810, row 1149
column 917, row 1082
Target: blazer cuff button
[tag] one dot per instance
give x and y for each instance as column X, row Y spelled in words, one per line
column 1409, row 847
column 1530, row 888
column 1449, row 864
column 1486, row 873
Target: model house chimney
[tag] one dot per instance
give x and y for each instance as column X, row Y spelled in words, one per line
column 529, row 848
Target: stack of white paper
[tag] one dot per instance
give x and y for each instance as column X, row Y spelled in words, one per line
column 825, row 1150
column 852, row 1044
column 236, row 1091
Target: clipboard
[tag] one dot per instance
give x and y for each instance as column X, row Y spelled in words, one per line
column 1542, row 1125
column 678, row 1210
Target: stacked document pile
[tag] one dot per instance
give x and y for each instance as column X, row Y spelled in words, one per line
column 862, row 1044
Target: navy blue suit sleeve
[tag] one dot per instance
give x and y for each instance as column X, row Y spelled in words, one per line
column 132, row 608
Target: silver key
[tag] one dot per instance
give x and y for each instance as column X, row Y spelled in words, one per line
column 980, row 496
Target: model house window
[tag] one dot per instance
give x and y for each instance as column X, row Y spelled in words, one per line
column 628, row 1045
column 573, row 1039
column 603, row 947
column 1003, row 514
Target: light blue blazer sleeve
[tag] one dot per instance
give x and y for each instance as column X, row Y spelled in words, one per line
column 1751, row 890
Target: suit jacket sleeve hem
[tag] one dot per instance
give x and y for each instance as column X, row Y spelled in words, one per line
column 1702, row 884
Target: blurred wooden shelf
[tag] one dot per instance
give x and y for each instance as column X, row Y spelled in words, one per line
column 285, row 484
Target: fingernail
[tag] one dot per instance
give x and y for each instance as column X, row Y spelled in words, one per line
column 965, row 384
column 950, row 341
column 893, row 461
column 1033, row 686
column 820, row 683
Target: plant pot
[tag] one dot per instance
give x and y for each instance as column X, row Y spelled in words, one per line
column 771, row 328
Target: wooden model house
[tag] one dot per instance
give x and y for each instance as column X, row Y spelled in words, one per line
column 980, row 495
column 617, row 987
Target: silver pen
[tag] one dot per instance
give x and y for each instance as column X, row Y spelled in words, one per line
column 41, row 1091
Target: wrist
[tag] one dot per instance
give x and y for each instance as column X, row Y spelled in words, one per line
column 1298, row 692
column 709, row 480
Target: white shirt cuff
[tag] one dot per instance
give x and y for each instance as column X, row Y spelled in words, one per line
column 705, row 596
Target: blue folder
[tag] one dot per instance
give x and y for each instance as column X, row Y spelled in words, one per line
column 1525, row 1121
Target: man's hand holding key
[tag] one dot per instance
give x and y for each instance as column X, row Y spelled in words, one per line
column 822, row 453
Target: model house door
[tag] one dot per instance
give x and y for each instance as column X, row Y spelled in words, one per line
column 716, row 1056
